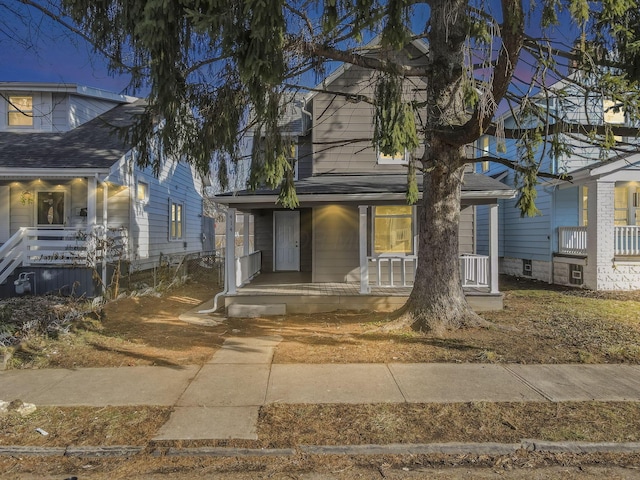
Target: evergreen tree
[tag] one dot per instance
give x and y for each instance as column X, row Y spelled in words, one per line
column 209, row 63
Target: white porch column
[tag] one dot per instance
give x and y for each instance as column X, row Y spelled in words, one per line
column 364, row 263
column 598, row 273
column 245, row 237
column 493, row 248
column 230, row 253
column 105, row 199
column 92, row 185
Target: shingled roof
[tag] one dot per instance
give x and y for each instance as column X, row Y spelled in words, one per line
column 385, row 185
column 93, row 145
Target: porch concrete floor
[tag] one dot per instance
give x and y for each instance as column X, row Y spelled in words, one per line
column 299, row 283
column 295, row 290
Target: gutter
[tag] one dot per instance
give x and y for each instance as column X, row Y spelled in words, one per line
column 327, row 198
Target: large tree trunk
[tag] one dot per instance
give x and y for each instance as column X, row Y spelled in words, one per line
column 437, row 301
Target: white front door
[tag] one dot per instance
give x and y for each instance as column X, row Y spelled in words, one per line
column 286, row 244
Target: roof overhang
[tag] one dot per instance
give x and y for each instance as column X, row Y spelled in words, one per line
column 50, row 173
column 364, row 189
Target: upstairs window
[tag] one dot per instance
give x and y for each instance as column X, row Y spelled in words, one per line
column 400, row 158
column 20, row 110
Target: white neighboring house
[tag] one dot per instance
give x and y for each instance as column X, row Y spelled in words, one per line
column 67, row 180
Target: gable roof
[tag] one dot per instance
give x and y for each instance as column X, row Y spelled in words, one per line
column 420, row 45
column 94, row 145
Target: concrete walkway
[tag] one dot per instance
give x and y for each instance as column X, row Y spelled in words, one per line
column 220, row 400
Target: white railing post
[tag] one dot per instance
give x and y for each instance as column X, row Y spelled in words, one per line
column 627, row 240
column 493, row 248
column 572, row 240
column 364, row 261
column 230, row 254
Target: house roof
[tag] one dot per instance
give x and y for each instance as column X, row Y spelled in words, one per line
column 382, row 187
column 94, row 145
column 629, row 161
column 71, row 88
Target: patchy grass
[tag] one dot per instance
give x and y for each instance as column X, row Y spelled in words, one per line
column 83, row 426
column 291, row 425
column 283, row 426
column 130, row 331
column 540, row 324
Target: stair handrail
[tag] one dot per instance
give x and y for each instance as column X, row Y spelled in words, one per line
column 12, row 254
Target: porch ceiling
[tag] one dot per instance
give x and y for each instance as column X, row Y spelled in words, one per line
column 330, row 188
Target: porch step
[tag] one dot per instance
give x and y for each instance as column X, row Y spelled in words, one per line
column 253, row 311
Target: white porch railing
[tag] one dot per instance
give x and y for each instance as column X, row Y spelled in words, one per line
column 60, row 246
column 399, row 271
column 474, row 270
column 572, row 240
column 627, row 240
column 247, row 267
column 390, row 268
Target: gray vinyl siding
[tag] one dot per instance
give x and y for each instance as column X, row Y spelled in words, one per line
column 60, row 115
column 82, row 109
column 343, row 127
column 466, row 240
column 5, row 213
column 336, row 244
column 305, row 157
column 263, row 237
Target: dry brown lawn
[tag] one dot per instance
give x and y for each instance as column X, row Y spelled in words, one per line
column 540, row 324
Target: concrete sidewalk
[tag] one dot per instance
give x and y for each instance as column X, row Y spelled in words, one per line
column 221, row 399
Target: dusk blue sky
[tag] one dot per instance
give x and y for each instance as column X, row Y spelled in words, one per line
column 37, row 50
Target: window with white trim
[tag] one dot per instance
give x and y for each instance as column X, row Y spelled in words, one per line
column 176, row 221
column 393, row 229
column 398, row 158
column 142, row 192
column 20, row 111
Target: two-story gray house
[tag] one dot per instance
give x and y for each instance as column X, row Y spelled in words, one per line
column 352, row 242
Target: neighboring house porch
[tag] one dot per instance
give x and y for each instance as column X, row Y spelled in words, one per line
column 351, row 244
column 602, row 251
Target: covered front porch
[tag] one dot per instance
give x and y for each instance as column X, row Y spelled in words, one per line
column 601, row 249
column 294, row 292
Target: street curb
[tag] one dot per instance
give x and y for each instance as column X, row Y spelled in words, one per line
column 452, row 448
column 71, row 451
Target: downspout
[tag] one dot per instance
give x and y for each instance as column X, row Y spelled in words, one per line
column 225, row 288
column 308, row 114
column 215, row 299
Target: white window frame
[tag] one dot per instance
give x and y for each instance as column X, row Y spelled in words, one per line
column 12, row 109
column 412, row 215
column 139, row 183
column 174, row 238
column 392, row 160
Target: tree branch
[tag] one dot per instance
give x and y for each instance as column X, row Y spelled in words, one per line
column 513, row 165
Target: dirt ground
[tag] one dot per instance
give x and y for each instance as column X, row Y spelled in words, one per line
column 540, row 324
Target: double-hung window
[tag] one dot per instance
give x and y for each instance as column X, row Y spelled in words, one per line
column 20, row 111
column 176, row 221
column 393, row 229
